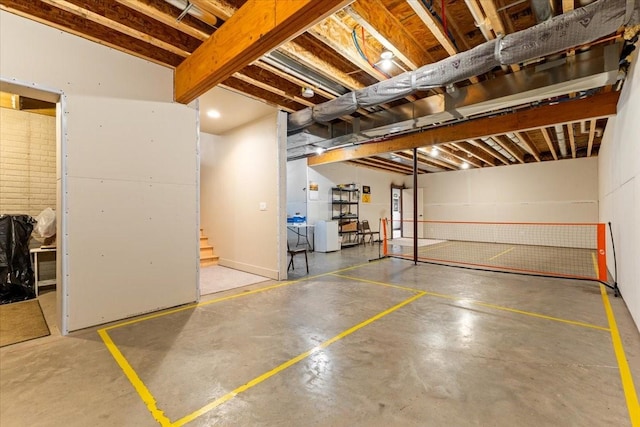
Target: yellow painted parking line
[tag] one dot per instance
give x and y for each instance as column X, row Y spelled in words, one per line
column 594, row 259
column 135, row 380
column 625, row 373
column 501, row 253
column 291, row 362
column 484, row 304
column 404, row 288
column 242, row 294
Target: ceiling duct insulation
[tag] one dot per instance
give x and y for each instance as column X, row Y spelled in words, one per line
column 580, row 26
column 588, row 70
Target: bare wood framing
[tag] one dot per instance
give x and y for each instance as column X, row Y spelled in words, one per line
column 165, row 17
column 384, row 26
column 429, row 161
column 117, row 26
column 475, row 152
column 496, row 23
column 597, row 106
column 508, row 145
column 547, row 138
column 572, row 139
column 530, row 145
column 489, row 150
column 216, row 8
column 453, row 153
column 256, row 28
column 592, row 135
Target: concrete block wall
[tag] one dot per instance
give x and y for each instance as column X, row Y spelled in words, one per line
column 27, row 162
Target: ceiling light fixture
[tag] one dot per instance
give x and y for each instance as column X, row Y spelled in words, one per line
column 214, row 114
column 434, row 151
column 320, row 150
column 386, row 60
column 465, row 165
column 307, row 92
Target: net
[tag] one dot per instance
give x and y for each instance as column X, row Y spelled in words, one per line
column 571, row 250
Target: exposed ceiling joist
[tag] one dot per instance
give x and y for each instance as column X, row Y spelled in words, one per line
column 509, row 147
column 490, row 151
column 377, row 20
column 597, row 106
column 529, row 144
column 592, row 135
column 475, row 152
column 256, row 28
column 572, row 139
column 547, row 138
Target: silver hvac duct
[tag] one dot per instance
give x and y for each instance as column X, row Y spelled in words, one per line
column 562, row 143
column 562, row 32
column 542, row 9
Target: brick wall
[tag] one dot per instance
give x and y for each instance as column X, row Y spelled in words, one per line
column 27, row 162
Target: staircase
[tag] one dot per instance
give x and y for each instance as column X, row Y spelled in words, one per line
column 207, row 256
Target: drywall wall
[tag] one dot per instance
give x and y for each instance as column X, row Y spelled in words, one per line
column 619, row 161
column 328, row 176
column 559, row 191
column 240, row 170
column 27, row 162
column 129, row 178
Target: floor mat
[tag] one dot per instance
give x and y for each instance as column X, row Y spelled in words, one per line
column 21, row 321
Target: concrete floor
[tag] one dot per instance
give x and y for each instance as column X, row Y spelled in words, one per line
column 385, row 343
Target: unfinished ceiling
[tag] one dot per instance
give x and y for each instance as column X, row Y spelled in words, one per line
column 544, row 108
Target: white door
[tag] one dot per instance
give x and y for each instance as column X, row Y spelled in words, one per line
column 407, row 213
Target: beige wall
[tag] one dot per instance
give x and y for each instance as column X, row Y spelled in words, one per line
column 239, row 171
column 619, row 160
column 128, row 212
column 559, row 191
column 330, row 175
column 27, row 162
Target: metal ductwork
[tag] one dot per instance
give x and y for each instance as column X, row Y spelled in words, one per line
column 542, row 9
column 586, row 71
column 562, row 143
column 565, row 31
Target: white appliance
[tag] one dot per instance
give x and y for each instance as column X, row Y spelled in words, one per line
column 326, row 238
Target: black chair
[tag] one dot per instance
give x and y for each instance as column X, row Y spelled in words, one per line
column 293, row 253
column 365, row 230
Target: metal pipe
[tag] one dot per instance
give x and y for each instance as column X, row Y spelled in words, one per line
column 562, row 143
column 542, row 9
column 479, row 19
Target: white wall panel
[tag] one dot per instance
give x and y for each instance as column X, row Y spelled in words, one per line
column 131, row 248
column 562, row 191
column 128, row 197
column 619, row 184
column 240, row 170
column 134, row 140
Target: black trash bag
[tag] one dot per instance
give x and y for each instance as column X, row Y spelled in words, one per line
column 17, row 282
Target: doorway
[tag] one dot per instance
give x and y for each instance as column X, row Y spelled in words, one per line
column 34, row 122
column 396, row 211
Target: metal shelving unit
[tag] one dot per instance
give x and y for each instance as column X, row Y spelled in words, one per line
column 345, row 209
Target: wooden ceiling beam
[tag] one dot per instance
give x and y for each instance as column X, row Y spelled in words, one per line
column 592, row 135
column 529, row 143
column 163, row 12
column 489, row 150
column 257, row 27
column 390, row 32
column 375, row 160
column 466, row 158
column 263, row 95
column 131, row 23
column 366, row 164
column 335, row 36
column 216, row 8
column 436, row 29
column 509, row 146
column 475, row 152
column 597, row 106
column 572, row 139
column 307, row 58
column 428, row 161
column 74, row 24
column 272, row 89
column 547, row 138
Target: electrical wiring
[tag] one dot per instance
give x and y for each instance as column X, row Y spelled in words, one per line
column 428, row 4
column 354, row 37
